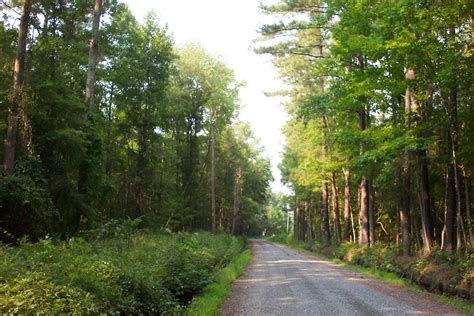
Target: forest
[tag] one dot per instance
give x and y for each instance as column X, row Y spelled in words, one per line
column 380, row 137
column 106, row 118
column 379, row 145
column 128, row 180
column 121, row 150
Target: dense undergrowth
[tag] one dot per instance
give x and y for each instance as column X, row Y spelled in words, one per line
column 135, row 273
column 213, row 295
column 439, row 271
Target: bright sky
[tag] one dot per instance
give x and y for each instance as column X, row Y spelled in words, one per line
column 227, row 28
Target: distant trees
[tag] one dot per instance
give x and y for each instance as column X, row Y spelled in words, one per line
column 139, row 146
column 381, row 104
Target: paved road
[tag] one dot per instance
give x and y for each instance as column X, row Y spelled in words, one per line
column 283, row 281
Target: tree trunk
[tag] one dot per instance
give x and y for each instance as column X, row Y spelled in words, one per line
column 335, row 208
column 449, row 209
column 325, row 213
column 296, row 223
column 301, row 225
column 347, row 204
column 425, row 201
column 406, row 185
column 363, row 189
column 354, row 235
column 85, row 165
column 213, row 180
column 236, row 199
column 93, row 55
column 398, row 225
column 371, row 214
column 309, row 230
column 364, row 213
column 416, row 233
column 453, row 120
column 18, row 79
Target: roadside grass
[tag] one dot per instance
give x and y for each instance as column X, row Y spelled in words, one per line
column 213, row 295
column 458, row 303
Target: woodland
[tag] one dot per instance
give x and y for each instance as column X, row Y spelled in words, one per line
column 379, row 145
column 127, row 176
column 106, row 118
column 121, row 149
column 379, row 141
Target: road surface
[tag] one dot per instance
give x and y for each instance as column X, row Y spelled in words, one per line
column 283, row 281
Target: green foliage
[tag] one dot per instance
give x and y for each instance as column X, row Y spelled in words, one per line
column 151, row 273
column 381, row 257
column 143, row 152
column 26, row 208
column 33, row 291
column 381, row 92
column 213, row 295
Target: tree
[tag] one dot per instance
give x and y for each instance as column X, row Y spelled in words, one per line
column 18, row 81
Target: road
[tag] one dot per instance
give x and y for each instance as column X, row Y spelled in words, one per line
column 283, row 281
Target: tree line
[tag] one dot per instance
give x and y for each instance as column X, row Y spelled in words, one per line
column 105, row 118
column 380, row 137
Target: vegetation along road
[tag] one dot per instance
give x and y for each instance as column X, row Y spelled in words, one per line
column 283, row 281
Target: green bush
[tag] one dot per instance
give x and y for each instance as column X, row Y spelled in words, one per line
column 133, row 273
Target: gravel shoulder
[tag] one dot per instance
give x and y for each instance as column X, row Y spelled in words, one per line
column 284, row 281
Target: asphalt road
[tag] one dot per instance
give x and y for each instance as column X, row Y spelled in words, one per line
column 283, row 281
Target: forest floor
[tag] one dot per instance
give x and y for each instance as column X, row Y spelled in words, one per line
column 284, row 281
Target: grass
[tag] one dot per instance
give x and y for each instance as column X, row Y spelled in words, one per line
column 458, row 303
column 209, row 301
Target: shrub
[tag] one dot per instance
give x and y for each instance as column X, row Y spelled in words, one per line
column 139, row 273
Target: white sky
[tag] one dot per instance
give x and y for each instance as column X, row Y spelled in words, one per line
column 227, row 28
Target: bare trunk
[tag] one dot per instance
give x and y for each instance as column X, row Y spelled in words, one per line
column 325, row 212
column 296, row 224
column 301, row 223
column 93, row 55
column 354, row 235
column 406, row 189
column 18, row 76
column 453, row 113
column 335, row 207
column 398, row 224
column 236, row 199
column 449, row 210
column 213, row 179
column 363, row 191
column 371, row 214
column 425, row 202
column 347, row 204
column 364, row 213
column 309, row 231
column 416, row 233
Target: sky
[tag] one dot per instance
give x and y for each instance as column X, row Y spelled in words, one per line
column 227, row 28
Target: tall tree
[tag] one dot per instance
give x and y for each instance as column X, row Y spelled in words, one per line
column 18, row 85
column 213, row 179
column 93, row 55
